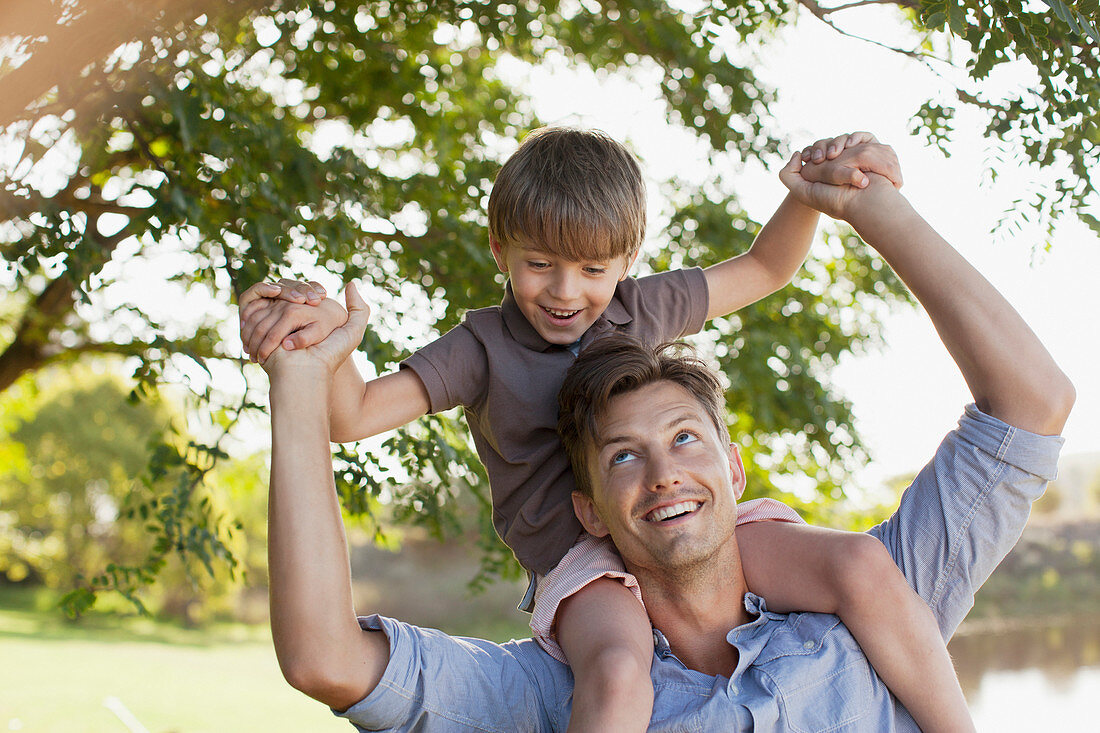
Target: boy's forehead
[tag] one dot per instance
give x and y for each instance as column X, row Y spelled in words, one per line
column 537, row 250
column 585, row 244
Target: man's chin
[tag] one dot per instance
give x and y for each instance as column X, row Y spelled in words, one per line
column 683, row 555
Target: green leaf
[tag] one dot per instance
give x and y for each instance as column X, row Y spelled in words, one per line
column 956, row 18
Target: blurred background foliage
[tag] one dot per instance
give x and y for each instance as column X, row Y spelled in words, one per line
column 202, row 146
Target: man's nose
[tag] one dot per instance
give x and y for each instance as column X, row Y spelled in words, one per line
column 664, row 473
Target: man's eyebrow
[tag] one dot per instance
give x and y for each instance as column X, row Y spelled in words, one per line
column 683, row 417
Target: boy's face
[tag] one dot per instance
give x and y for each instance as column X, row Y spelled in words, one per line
column 561, row 298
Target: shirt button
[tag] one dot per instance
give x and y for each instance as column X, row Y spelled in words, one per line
column 807, row 645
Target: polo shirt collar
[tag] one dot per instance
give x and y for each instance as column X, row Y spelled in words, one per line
column 526, row 335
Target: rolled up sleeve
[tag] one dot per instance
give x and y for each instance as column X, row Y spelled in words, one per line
column 436, row 682
column 966, row 509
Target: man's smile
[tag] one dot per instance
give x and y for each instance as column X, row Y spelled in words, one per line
column 671, row 512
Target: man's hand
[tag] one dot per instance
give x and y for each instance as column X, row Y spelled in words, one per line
column 877, row 198
column 847, row 159
column 275, row 315
column 336, row 347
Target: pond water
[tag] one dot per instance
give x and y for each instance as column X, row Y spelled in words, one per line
column 1029, row 679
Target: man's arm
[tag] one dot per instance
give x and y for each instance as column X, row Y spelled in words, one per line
column 320, row 647
column 966, row 509
column 1008, row 370
column 395, row 677
column 1010, row 374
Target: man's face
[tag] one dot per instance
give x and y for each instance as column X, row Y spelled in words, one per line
column 663, row 480
column 560, row 297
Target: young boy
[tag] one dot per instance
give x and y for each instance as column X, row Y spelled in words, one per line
column 566, row 220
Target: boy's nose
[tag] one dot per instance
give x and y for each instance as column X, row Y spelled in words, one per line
column 564, row 286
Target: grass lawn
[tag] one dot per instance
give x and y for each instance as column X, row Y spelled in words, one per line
column 56, row 676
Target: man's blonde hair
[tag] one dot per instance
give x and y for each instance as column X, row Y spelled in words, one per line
column 617, row 364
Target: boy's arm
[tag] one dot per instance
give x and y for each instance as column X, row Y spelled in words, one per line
column 781, row 246
column 358, row 409
column 772, row 260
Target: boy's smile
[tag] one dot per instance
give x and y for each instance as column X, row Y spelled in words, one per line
column 559, row 297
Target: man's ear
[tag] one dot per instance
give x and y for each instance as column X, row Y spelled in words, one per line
column 498, row 254
column 737, row 471
column 585, row 510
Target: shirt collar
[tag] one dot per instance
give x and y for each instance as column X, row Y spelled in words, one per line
column 526, row 335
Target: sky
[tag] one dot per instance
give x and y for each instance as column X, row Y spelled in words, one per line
column 908, row 394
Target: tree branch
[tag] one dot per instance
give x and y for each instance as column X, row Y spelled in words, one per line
column 970, row 99
column 97, row 206
column 822, row 14
column 29, row 349
column 144, row 145
column 861, row 3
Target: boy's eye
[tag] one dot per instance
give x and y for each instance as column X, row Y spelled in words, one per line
column 537, row 264
column 594, row 270
column 684, row 437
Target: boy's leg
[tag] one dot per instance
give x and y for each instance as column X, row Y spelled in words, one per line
column 606, row 636
column 796, row 567
column 588, row 612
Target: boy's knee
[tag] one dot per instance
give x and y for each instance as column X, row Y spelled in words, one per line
column 618, row 667
column 865, row 568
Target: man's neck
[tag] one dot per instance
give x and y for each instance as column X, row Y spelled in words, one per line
column 695, row 613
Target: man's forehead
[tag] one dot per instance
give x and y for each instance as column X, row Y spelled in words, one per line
column 645, row 409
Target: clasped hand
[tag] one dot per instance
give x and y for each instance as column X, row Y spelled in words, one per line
column 327, row 355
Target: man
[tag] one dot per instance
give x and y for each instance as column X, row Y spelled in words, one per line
column 723, row 662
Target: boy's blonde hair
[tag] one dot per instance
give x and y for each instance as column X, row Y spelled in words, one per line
column 573, row 193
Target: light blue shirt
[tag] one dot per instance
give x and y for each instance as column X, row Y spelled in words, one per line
column 796, row 672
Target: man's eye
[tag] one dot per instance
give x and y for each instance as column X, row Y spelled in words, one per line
column 621, row 457
column 595, row 270
column 536, row 265
column 684, row 437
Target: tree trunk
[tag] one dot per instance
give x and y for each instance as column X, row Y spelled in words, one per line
column 31, row 347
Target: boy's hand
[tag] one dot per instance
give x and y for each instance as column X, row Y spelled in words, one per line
column 847, row 159
column 293, row 291
column 842, row 202
column 331, row 352
column 267, row 323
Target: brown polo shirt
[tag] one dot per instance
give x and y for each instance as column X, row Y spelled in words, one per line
column 506, row 376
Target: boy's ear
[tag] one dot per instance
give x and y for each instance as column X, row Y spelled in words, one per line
column 498, row 254
column 585, row 510
column 630, row 264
